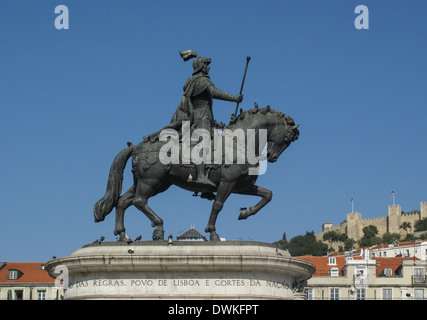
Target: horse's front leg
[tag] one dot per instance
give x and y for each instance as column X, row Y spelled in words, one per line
column 224, row 190
column 255, row 191
column 124, row 202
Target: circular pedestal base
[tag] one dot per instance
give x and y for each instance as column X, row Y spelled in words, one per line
column 181, row 270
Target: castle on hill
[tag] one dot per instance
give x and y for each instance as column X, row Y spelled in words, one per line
column 354, row 224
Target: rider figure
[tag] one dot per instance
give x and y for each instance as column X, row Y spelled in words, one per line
column 196, row 104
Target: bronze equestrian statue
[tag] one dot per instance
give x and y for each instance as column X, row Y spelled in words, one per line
column 152, row 176
column 196, row 103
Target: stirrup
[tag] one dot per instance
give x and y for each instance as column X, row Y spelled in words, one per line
column 206, row 180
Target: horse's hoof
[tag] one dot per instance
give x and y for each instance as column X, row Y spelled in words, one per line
column 214, row 237
column 123, row 237
column 158, row 234
column 244, row 214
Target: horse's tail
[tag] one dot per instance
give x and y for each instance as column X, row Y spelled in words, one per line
column 114, row 186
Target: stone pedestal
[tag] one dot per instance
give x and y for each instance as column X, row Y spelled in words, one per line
column 181, row 270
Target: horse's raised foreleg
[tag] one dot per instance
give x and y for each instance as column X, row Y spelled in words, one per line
column 124, row 202
column 255, row 191
column 224, row 190
column 142, row 193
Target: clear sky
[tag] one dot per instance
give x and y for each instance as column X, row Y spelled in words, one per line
column 71, row 99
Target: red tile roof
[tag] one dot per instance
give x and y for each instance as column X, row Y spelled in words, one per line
column 357, row 251
column 390, row 263
column 400, row 244
column 323, row 267
column 31, row 272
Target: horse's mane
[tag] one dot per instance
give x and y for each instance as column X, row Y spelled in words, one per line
column 240, row 118
column 245, row 114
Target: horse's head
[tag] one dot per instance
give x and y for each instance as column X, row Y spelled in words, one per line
column 280, row 137
column 281, row 129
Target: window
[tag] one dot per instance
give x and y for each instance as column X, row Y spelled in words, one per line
column 361, row 294
column 419, row 274
column 310, row 294
column 361, row 275
column 387, row 294
column 13, row 274
column 388, row 272
column 41, row 294
column 333, row 272
column 335, row 294
column 19, row 294
column 332, row 261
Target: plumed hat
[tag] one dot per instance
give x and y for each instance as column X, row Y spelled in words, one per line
column 198, row 62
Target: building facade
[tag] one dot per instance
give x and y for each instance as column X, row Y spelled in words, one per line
column 364, row 275
column 27, row 281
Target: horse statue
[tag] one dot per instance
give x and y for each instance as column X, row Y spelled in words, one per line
column 152, row 177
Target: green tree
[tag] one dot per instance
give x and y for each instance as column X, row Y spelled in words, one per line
column 410, row 237
column 421, row 225
column 334, row 236
column 307, row 244
column 390, row 238
column 283, row 243
column 331, row 236
column 423, row 236
column 406, row 226
column 370, row 237
column 349, row 243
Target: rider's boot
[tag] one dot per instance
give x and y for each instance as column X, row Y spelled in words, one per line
column 202, row 178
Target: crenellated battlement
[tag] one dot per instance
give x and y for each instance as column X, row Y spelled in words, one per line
column 354, row 216
column 354, row 224
column 374, row 220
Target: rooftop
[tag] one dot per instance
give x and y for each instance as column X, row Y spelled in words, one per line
column 28, row 272
column 191, row 234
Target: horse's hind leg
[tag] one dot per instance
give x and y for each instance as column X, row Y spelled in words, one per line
column 124, row 202
column 255, row 191
column 142, row 193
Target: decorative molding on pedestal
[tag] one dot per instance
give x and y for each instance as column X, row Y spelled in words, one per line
column 181, row 270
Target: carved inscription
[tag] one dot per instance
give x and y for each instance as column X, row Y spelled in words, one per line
column 179, row 283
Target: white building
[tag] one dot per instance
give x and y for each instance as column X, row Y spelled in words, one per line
column 377, row 273
column 27, row 281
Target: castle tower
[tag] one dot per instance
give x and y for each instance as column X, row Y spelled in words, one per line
column 327, row 226
column 394, row 213
column 423, row 211
column 354, row 225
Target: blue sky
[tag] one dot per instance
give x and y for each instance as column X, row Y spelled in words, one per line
column 71, row 99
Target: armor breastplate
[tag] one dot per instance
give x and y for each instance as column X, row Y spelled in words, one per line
column 202, row 100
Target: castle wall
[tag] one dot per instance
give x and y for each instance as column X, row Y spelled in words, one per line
column 381, row 223
column 354, row 225
column 410, row 218
column 423, row 209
